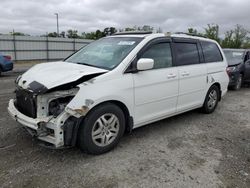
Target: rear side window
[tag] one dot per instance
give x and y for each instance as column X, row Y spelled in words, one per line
column 161, row 54
column 211, row 52
column 187, row 53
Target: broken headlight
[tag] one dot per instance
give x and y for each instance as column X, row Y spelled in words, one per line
column 56, row 106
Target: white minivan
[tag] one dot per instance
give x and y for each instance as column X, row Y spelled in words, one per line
column 116, row 84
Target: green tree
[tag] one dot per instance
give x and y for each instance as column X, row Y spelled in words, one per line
column 247, row 43
column 72, row 34
column 99, row 34
column 109, row 31
column 228, row 42
column 212, row 32
column 192, row 31
column 62, row 34
column 236, row 38
column 90, row 35
column 18, row 34
column 53, row 34
column 129, row 29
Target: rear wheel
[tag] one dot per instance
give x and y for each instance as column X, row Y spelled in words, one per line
column 101, row 129
column 238, row 84
column 211, row 100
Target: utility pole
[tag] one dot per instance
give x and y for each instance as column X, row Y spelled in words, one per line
column 57, row 24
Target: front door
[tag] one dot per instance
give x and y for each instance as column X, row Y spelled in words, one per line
column 156, row 90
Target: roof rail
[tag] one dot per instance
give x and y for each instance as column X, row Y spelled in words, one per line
column 190, row 34
column 133, row 33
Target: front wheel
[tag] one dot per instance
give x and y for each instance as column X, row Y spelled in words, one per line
column 211, row 100
column 101, row 129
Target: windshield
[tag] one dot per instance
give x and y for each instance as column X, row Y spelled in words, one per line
column 233, row 56
column 105, row 53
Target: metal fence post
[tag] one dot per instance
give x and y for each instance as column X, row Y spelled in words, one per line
column 74, row 45
column 14, row 46
column 47, row 47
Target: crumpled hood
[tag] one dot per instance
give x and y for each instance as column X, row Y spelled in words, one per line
column 54, row 74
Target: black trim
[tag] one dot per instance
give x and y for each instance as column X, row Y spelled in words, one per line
column 201, row 54
column 70, row 129
column 37, row 87
column 26, row 102
column 184, row 40
column 130, row 124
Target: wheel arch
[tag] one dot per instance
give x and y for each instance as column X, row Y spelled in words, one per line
column 219, row 86
column 129, row 119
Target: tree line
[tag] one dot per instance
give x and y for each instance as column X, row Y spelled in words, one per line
column 238, row 37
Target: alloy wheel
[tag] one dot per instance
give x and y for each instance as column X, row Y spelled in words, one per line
column 105, row 130
column 212, row 99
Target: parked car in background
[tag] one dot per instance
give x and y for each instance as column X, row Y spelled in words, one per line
column 94, row 96
column 238, row 66
column 6, row 64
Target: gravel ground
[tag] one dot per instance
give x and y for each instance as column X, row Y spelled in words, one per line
column 189, row 150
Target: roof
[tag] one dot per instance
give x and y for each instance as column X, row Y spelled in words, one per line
column 144, row 34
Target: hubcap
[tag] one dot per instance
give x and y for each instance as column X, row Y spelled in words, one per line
column 212, row 99
column 105, row 130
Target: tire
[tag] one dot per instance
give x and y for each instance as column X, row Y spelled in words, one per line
column 211, row 100
column 238, row 84
column 102, row 129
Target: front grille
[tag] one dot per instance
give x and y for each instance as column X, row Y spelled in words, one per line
column 25, row 102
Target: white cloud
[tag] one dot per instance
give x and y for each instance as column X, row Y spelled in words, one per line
column 37, row 17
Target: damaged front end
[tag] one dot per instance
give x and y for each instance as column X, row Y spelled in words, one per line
column 44, row 115
column 40, row 104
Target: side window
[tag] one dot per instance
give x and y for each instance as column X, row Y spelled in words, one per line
column 186, row 53
column 211, row 52
column 161, row 54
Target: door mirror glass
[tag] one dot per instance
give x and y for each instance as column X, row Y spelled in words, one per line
column 145, row 64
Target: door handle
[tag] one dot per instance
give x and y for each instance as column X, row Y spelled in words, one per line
column 171, row 76
column 185, row 73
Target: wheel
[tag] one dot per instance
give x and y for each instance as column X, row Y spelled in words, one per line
column 101, row 129
column 238, row 84
column 211, row 100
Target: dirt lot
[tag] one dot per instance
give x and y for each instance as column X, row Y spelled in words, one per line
column 189, row 150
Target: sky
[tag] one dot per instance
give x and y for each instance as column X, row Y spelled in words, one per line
column 36, row 17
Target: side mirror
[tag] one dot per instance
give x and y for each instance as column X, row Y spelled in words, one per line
column 145, row 64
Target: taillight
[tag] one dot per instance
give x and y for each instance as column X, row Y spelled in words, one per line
column 228, row 70
column 7, row 57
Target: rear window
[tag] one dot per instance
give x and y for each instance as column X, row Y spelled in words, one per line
column 187, row 53
column 211, row 52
